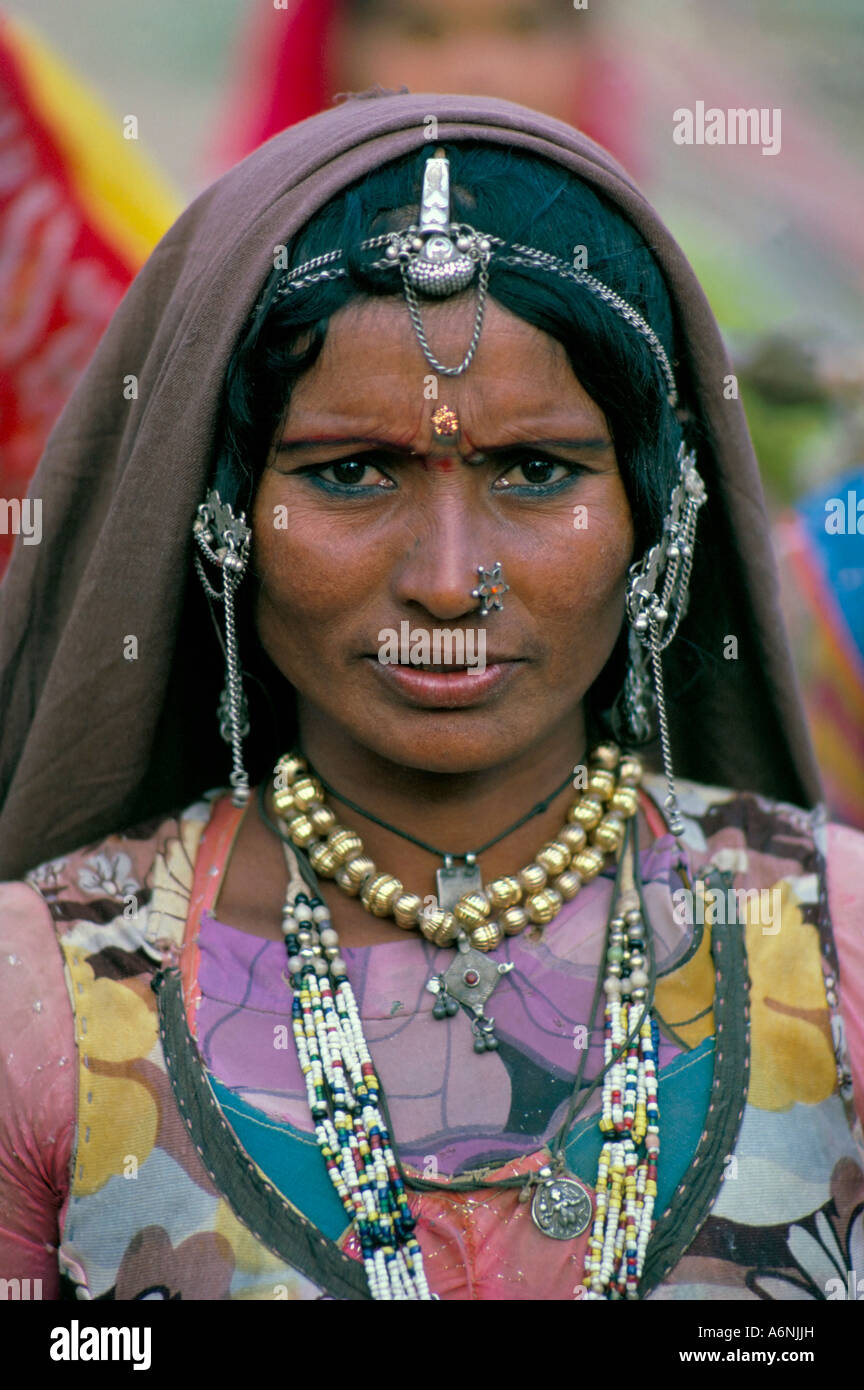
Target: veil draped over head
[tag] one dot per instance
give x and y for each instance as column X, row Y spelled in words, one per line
column 92, row 737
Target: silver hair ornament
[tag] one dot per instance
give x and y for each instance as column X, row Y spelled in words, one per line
column 438, row 258
column 225, row 539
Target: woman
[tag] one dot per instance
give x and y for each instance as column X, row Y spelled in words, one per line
column 292, row 59
column 441, row 423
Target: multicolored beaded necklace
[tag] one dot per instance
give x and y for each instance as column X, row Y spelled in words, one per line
column 344, row 1098
column 626, row 1184
column 343, row 1090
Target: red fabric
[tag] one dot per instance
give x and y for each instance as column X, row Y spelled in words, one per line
column 278, row 84
column 59, row 284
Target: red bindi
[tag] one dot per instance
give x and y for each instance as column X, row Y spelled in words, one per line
column 444, row 465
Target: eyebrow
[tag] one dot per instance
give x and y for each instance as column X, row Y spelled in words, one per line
column 297, row 445
column 596, row 444
column 290, row 445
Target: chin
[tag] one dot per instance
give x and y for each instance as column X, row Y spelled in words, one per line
column 446, row 742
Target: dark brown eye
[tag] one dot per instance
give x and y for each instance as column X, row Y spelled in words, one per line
column 537, row 474
column 348, row 471
column 351, row 475
column 538, row 470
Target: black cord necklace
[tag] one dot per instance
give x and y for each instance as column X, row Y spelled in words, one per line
column 454, row 879
column 446, row 855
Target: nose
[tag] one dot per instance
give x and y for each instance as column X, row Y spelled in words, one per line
column 439, row 566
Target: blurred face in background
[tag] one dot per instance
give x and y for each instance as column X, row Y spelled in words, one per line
column 530, row 51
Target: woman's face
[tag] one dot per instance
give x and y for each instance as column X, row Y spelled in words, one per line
column 364, row 522
column 532, row 51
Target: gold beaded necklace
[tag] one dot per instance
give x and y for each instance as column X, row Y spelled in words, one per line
column 594, row 828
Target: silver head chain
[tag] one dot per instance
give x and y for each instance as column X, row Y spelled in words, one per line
column 437, row 258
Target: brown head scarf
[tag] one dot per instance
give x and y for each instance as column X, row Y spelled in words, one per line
column 92, row 741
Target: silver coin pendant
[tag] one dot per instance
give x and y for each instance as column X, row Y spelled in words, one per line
column 561, row 1207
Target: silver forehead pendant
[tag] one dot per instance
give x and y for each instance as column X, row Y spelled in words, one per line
column 438, row 258
column 561, row 1206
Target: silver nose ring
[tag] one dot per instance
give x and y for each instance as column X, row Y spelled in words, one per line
column 490, row 590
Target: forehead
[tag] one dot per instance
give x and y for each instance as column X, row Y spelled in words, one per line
column 371, row 363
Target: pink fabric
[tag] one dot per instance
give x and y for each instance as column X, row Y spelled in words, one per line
column 845, row 859
column 38, row 1064
column 38, row 1057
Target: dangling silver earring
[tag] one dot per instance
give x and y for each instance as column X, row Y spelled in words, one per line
column 634, row 712
column 226, row 540
column 654, row 617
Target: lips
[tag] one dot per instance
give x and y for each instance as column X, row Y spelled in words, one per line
column 446, row 687
column 442, row 668
column 495, row 659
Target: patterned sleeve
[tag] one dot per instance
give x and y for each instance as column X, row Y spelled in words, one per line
column 845, row 860
column 37, row 1088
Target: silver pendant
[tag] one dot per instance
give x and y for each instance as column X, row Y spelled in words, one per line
column 473, row 976
column 455, row 880
column 438, row 257
column 470, row 980
column 561, row 1207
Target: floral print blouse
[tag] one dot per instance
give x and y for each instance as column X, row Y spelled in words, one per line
column 156, row 1141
